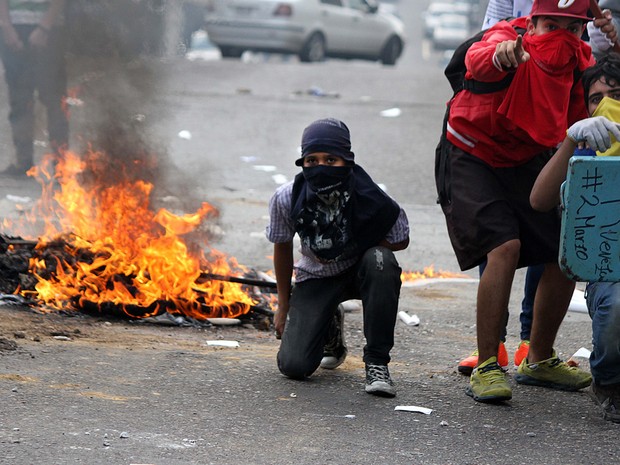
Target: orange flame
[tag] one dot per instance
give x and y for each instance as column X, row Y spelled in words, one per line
column 429, row 272
column 137, row 258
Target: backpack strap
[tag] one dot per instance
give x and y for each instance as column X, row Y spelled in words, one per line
column 479, row 87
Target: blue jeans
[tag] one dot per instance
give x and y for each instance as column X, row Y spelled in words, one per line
column 603, row 301
column 532, row 276
column 375, row 279
column 534, row 272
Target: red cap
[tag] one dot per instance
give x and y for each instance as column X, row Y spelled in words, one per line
column 569, row 8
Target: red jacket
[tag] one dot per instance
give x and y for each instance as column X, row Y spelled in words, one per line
column 475, row 125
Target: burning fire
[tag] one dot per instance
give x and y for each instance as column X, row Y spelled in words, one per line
column 102, row 244
column 429, row 272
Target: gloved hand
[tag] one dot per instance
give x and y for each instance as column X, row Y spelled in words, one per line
column 595, row 131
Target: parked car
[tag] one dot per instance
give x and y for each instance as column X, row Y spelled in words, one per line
column 311, row 29
column 451, row 31
column 437, row 9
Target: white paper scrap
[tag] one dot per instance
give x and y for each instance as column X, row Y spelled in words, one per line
column 423, row 282
column 185, row 135
column 265, row 168
column 224, row 321
column 391, row 113
column 223, row 343
column 18, row 199
column 583, row 353
column 414, row 408
column 279, row 179
column 409, row 320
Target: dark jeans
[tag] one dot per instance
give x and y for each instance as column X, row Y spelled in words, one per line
column 532, row 277
column 43, row 71
column 375, row 279
column 603, row 299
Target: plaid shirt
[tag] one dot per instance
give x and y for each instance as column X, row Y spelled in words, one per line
column 281, row 228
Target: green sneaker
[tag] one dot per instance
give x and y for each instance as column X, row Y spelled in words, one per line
column 488, row 383
column 552, row 373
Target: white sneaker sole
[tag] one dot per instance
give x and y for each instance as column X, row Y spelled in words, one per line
column 331, row 363
column 381, row 388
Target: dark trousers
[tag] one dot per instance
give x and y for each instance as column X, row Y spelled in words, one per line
column 375, row 279
column 42, row 71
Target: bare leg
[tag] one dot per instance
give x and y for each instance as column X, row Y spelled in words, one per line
column 493, row 297
column 552, row 299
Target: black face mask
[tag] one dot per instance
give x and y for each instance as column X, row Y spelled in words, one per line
column 341, row 205
column 325, row 179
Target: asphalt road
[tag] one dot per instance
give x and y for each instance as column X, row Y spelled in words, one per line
column 98, row 390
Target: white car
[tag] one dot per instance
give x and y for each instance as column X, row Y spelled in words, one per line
column 311, row 29
column 436, row 10
column 451, row 31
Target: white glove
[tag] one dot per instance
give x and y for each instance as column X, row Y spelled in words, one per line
column 595, row 131
column 598, row 40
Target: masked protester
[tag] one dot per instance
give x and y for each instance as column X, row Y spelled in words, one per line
column 497, row 143
column 349, row 229
column 602, row 34
column 598, row 135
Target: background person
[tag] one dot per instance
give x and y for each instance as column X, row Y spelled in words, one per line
column 502, row 9
column 32, row 49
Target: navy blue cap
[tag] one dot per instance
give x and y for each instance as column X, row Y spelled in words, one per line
column 326, row 135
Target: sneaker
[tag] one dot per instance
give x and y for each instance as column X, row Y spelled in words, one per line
column 378, row 381
column 488, row 383
column 608, row 398
column 552, row 373
column 521, row 352
column 467, row 365
column 335, row 351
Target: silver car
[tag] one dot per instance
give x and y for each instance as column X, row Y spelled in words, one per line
column 311, row 29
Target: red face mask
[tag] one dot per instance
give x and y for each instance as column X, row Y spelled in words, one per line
column 554, row 52
column 539, row 99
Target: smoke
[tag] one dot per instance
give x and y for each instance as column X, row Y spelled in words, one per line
column 115, row 64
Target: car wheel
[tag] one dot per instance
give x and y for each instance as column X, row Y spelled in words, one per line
column 231, row 52
column 314, row 49
column 391, row 51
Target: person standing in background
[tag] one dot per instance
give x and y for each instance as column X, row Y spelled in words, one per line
column 501, row 9
column 32, row 48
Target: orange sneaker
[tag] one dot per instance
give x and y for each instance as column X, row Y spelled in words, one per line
column 467, row 365
column 521, row 352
